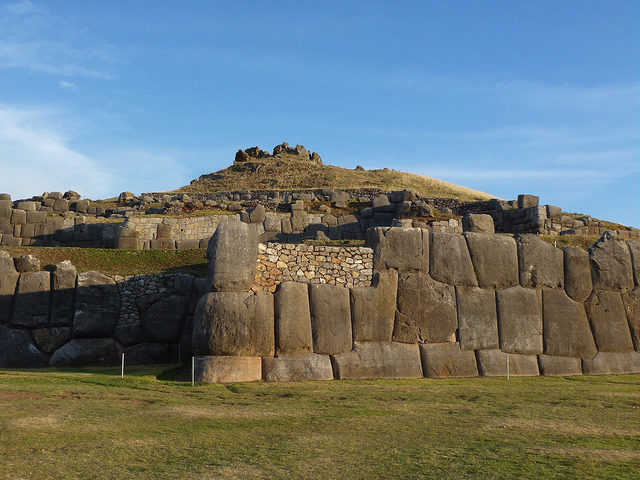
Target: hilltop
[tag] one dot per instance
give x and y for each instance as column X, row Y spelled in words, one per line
column 295, row 168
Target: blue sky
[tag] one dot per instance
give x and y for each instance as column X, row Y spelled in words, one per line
column 508, row 97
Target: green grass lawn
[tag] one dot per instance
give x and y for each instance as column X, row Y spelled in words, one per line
column 88, row 423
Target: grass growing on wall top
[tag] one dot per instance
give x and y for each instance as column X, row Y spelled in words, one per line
column 88, row 423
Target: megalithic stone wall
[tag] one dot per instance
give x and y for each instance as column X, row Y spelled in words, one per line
column 439, row 305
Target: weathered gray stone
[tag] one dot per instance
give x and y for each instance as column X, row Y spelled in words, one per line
column 8, row 282
column 609, row 325
column 450, row 261
column 63, row 284
column 380, row 201
column 162, row 244
column 36, row 217
column 577, row 273
column 378, row 360
column 61, row 205
column 330, row 319
column 611, row 266
column 297, row 368
column 520, row 320
column 631, row 301
column 299, row 220
column 228, row 369
column 272, row 222
column 86, row 351
column 566, row 326
column 31, row 307
column 405, row 249
column 183, row 285
column 286, row 226
column 611, row 363
column 447, row 360
column 477, row 222
column 495, row 259
column 28, row 205
column 97, row 306
column 18, row 217
column 5, row 208
column 27, row 263
column 264, row 326
column 257, row 214
column 147, row 353
column 634, row 250
column 17, row 350
column 129, row 334
column 477, row 318
column 540, row 263
column 551, row 366
column 50, row 339
column 162, row 321
column 373, row 308
column 426, row 310
column 493, row 363
column 232, row 252
column 528, row 201
column 553, row 211
column 293, row 319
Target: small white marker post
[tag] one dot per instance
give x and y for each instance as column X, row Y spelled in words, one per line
column 193, row 371
column 122, row 370
column 507, row 366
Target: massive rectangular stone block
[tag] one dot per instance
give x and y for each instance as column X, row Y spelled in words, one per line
column 297, row 368
column 378, row 360
column 493, row 363
column 634, row 250
column 631, row 301
column 63, row 283
column 559, row 366
column 610, row 363
column 5, row 208
column 426, row 310
column 520, row 320
column 577, row 273
column 373, row 308
column 228, row 369
column 540, row 263
column 97, row 305
column 232, row 252
column 330, row 319
column 450, row 261
column 31, row 308
column 477, row 318
column 405, row 249
column 293, row 319
column 8, row 282
column 608, row 321
column 566, row 327
column 495, row 259
column 447, row 360
column 611, row 265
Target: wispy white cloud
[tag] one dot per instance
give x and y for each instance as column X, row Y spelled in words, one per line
column 67, row 85
column 21, row 8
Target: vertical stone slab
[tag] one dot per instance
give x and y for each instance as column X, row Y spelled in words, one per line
column 566, row 326
column 373, row 308
column 447, row 360
column 495, row 259
column 97, row 306
column 265, row 324
column 8, row 282
column 608, row 321
column 293, row 320
column 450, row 261
column 551, row 366
column 493, row 363
column 540, row 263
column 477, row 318
column 232, row 252
column 330, row 319
column 634, row 250
column 631, row 301
column 577, row 273
column 63, row 283
column 425, row 311
column 404, row 249
column 520, row 320
column 611, row 267
column 32, row 300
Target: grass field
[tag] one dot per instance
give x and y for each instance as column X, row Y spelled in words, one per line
column 91, row 424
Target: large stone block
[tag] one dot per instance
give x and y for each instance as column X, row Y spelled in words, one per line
column 330, row 319
column 426, row 310
column 299, row 220
column 33, row 295
column 528, row 201
column 611, row 266
column 163, row 244
column 577, row 273
column 631, row 301
column 447, row 360
column 373, row 308
column 495, row 259
column 86, row 351
column 293, row 319
column 228, row 369
column 50, row 339
column 162, row 321
column 405, row 249
column 477, row 318
column 608, row 321
column 540, row 263
column 233, row 323
column 97, row 306
column 232, row 252
column 520, row 320
column 5, row 208
column 63, row 285
column 450, row 261
column 16, row 350
column 477, row 222
column 566, row 326
column 378, row 360
column 552, row 366
column 493, row 363
column 8, row 282
column 611, row 363
column 36, row 217
column 634, row 250
column 297, row 368
column 18, row 217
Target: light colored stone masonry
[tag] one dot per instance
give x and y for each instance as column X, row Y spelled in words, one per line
column 194, row 228
column 285, row 262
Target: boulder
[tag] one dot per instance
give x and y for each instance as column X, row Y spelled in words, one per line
column 426, row 310
column 228, row 369
column 477, row 318
column 257, row 214
column 147, row 353
column 50, row 339
column 162, row 321
column 63, row 284
column 293, row 319
column 609, row 325
column 232, row 252
column 378, row 360
column 565, row 326
column 129, row 334
column 97, row 306
column 493, row 363
column 330, row 319
column 450, row 261
column 31, row 306
column 520, row 320
column 5, row 208
column 86, row 351
column 577, row 273
column 373, row 308
column 478, row 222
column 405, row 249
column 447, row 360
column 379, row 202
column 297, row 368
column 611, row 267
column 631, row 301
column 540, row 263
column 8, row 282
column 17, row 350
column 612, row 363
column 634, row 250
column 495, row 259
column 552, row 366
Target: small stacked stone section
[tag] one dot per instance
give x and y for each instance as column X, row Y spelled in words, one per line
column 343, row 266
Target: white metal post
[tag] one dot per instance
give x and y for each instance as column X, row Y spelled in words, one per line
column 122, row 369
column 193, row 371
column 507, row 366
